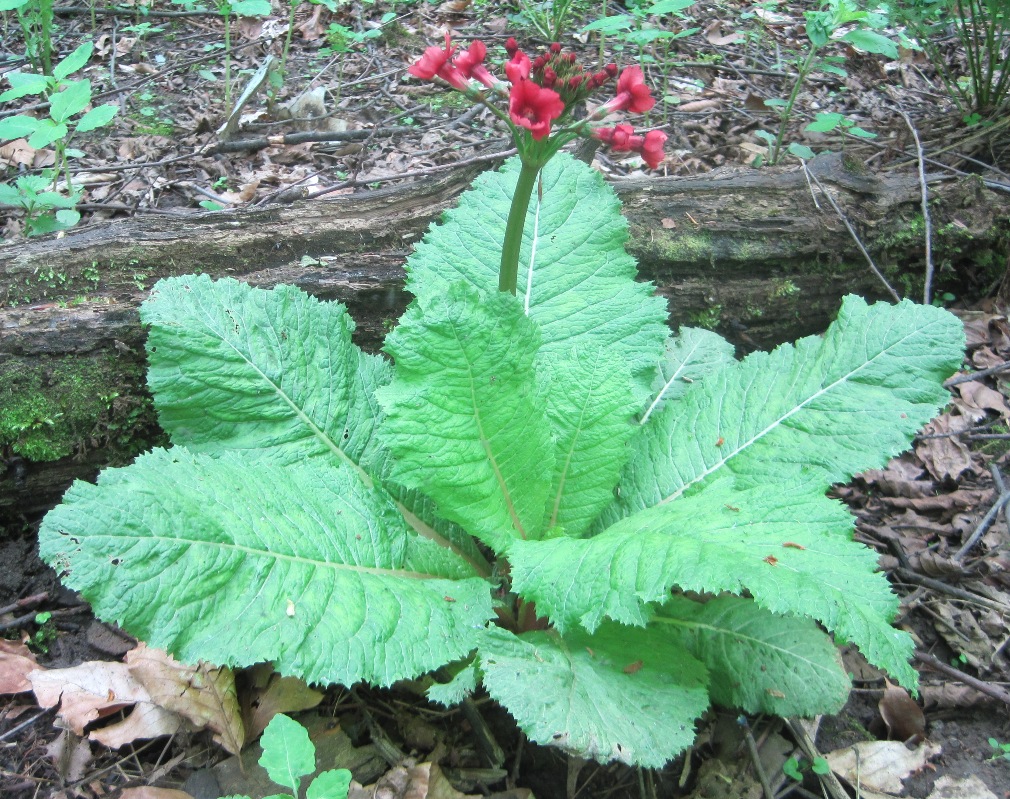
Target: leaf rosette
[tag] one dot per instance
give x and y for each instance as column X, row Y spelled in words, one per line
column 338, row 513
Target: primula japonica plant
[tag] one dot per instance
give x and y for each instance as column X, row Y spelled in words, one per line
column 605, row 526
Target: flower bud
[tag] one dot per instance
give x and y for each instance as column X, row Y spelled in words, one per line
column 555, row 48
column 611, row 70
column 511, row 45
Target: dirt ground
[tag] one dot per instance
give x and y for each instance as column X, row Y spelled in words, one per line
column 355, row 121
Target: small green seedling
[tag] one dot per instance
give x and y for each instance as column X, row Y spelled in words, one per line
column 289, row 755
column 46, row 632
column 794, row 767
column 1001, row 751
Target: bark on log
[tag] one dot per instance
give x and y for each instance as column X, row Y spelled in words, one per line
column 749, row 253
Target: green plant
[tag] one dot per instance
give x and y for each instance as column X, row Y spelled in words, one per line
column 67, row 98
column 240, row 8
column 1001, row 750
column 528, row 492
column 45, row 211
column 45, row 634
column 822, row 26
column 982, row 28
column 794, row 768
column 289, row 756
column 36, row 20
column 548, row 18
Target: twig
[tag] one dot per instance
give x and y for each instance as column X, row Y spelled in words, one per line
column 967, row 378
column 995, row 691
column 15, row 730
column 950, row 590
column 34, row 599
column 986, row 522
column 279, row 140
column 928, row 288
column 755, row 757
column 852, row 232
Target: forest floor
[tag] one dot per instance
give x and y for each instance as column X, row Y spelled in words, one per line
column 354, row 120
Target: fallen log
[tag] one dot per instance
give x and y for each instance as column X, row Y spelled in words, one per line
column 749, row 253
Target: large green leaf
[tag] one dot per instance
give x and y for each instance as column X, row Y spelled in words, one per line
column 785, row 543
column 273, row 372
column 236, row 560
column 583, row 294
column 759, row 661
column 837, row 405
column 601, row 331
column 623, row 693
column 465, row 422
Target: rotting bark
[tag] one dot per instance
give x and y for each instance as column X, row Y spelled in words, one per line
column 748, row 253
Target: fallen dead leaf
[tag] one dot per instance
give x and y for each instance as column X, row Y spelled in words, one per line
column 420, row 781
column 16, row 663
column 204, row 694
column 945, row 457
column 902, row 716
column 715, row 36
column 150, row 792
column 880, row 765
column 278, row 694
column 947, row 787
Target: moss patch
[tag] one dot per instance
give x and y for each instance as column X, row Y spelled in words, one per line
column 51, row 410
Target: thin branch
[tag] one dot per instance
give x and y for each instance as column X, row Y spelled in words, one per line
column 995, row 691
column 927, row 290
column 852, row 232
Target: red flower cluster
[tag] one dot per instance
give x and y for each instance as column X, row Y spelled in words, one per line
column 622, row 139
column 543, row 88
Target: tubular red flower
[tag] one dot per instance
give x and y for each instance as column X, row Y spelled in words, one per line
column 631, row 83
column 470, row 63
column 622, row 139
column 652, row 150
column 534, row 107
column 517, row 68
column 435, row 61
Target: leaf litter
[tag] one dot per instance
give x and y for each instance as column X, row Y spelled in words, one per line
column 919, row 511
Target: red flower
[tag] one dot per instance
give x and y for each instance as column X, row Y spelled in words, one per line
column 622, row 139
column 534, row 107
column 652, row 150
column 435, row 61
column 632, row 94
column 632, row 83
column 470, row 63
column 517, row 68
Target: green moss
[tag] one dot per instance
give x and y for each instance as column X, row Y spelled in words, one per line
column 53, row 410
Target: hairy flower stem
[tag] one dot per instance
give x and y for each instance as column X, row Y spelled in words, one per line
column 508, row 273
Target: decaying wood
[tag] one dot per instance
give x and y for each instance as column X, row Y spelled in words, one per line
column 748, row 252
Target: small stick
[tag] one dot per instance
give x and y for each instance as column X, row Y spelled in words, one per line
column 979, row 685
column 967, row 378
column 924, row 190
column 755, row 757
column 852, row 232
column 983, row 525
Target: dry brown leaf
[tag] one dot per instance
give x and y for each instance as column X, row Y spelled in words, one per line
column 70, row 754
column 281, row 695
column 146, row 720
column 87, row 692
column 880, row 765
column 948, row 787
column 150, row 792
column 16, row 663
column 978, row 397
column 203, row 694
column 699, row 105
column 17, row 153
column 902, row 716
column 952, row 695
column 420, row 781
column 715, row 36
column 946, row 457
